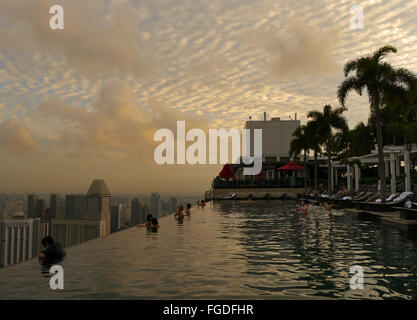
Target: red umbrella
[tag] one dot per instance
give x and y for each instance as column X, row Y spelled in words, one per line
column 292, row 166
column 226, row 172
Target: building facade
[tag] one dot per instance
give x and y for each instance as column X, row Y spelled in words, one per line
column 75, row 206
column 73, row 232
column 155, row 204
column 20, row 240
column 54, row 206
column 276, row 137
column 98, row 203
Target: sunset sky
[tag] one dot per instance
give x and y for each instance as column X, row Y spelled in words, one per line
column 84, row 102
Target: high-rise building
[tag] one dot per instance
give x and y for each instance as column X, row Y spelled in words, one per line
column 20, row 240
column 144, row 212
column 174, row 204
column 155, row 204
column 54, row 206
column 75, row 206
column 125, row 215
column 98, row 203
column 115, row 222
column 136, row 212
column 32, row 201
column 40, row 209
column 72, row 232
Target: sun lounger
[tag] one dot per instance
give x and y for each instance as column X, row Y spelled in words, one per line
column 389, row 206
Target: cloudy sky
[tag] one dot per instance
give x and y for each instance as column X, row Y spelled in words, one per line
column 84, row 102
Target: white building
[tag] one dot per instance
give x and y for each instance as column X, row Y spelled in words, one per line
column 276, row 137
column 20, row 240
column 72, row 232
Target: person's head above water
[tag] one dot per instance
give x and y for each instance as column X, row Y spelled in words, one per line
column 180, row 207
column 47, row 241
column 149, row 217
column 188, row 205
column 155, row 221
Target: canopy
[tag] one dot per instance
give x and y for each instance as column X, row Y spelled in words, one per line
column 226, row 172
column 292, row 165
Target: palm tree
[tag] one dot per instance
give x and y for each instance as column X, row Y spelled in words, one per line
column 326, row 121
column 299, row 144
column 315, row 142
column 379, row 79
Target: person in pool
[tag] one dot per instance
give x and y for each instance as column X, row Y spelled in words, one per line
column 148, row 222
column 303, row 207
column 52, row 253
column 188, row 210
column 180, row 212
column 155, row 224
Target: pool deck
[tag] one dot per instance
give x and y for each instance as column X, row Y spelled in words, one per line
column 391, row 218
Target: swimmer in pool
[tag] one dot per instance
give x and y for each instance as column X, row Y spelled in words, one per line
column 188, row 210
column 148, row 222
column 180, row 212
column 303, row 207
column 155, row 224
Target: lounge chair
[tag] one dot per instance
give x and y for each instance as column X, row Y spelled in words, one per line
column 389, row 206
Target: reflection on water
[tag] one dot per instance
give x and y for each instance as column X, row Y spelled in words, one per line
column 232, row 249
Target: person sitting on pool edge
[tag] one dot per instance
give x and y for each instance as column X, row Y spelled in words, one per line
column 180, row 212
column 188, row 210
column 53, row 252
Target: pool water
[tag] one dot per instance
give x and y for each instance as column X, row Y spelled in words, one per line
column 232, row 250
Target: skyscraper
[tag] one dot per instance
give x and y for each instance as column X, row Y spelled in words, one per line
column 155, row 204
column 75, row 206
column 174, row 204
column 32, row 200
column 40, row 209
column 115, row 211
column 98, row 203
column 55, row 206
column 136, row 212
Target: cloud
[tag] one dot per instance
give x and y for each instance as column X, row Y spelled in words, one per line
column 93, row 41
column 301, row 50
column 16, row 138
column 117, row 126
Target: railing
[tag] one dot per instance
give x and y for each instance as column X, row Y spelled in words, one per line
column 296, row 182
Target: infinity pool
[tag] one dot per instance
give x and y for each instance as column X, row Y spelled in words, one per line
column 232, row 250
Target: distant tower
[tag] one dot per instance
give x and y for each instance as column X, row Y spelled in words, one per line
column 155, row 204
column 98, row 203
column 40, row 209
column 55, row 206
column 32, row 200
